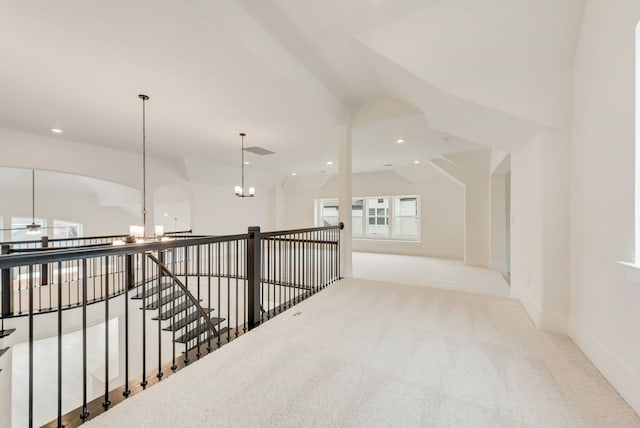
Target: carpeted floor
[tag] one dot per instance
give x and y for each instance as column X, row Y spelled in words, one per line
column 429, row 272
column 367, row 354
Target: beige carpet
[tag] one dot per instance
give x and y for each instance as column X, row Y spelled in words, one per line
column 451, row 274
column 373, row 354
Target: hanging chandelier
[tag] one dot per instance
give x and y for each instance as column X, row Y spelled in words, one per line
column 138, row 233
column 240, row 190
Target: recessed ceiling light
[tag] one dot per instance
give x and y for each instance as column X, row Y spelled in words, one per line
column 329, row 162
column 388, row 165
column 416, row 161
column 400, row 140
column 323, row 172
column 56, row 130
column 166, row 214
column 247, row 162
column 294, row 174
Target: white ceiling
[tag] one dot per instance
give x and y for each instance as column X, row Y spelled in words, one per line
column 47, row 181
column 286, row 71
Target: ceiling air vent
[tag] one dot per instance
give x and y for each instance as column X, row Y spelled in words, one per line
column 258, row 150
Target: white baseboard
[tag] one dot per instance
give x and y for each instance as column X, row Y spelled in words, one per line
column 529, row 304
column 554, row 321
column 623, row 379
column 544, row 320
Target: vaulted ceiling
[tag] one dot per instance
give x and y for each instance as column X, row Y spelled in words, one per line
column 288, row 72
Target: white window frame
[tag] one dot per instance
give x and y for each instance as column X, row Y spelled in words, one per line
column 363, row 235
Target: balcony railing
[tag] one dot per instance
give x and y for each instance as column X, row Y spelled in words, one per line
column 196, row 294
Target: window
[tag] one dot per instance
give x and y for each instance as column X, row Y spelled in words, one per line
column 66, row 229
column 405, row 216
column 329, row 212
column 357, row 217
column 380, row 217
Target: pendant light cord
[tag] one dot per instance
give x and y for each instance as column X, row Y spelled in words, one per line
column 33, row 196
column 242, row 134
column 144, row 98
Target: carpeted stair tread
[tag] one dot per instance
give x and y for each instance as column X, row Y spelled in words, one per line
column 154, row 290
column 192, row 317
column 6, row 332
column 164, row 300
column 197, row 332
column 170, row 312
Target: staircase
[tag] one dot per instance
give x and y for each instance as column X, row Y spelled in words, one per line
column 4, row 333
column 185, row 321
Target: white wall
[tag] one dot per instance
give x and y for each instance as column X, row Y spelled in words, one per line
column 540, row 229
column 498, row 226
column 471, row 170
column 70, row 206
column 172, row 184
column 604, row 304
column 526, row 227
column 441, row 210
column 218, row 211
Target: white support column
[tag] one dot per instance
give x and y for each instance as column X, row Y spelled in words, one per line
column 344, row 200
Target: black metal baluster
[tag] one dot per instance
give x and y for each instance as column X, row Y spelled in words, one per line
column 340, row 251
column 324, row 258
column 85, row 409
column 301, row 293
column 174, row 367
column 329, row 260
column 209, row 264
column 59, row 345
column 186, row 308
column 143, row 264
column 337, row 254
column 66, row 279
column 315, row 264
column 93, row 279
column 228, row 256
column 279, row 282
column 237, row 257
column 128, row 279
column 333, row 255
column 19, row 289
column 198, row 354
column 245, row 285
column 266, row 255
column 159, row 282
column 40, row 292
column 78, row 303
column 218, row 306
column 296, row 268
column 289, row 288
column 106, row 403
column 30, row 282
column 305, row 252
column 50, row 290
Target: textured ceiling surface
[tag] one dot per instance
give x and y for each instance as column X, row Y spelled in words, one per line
column 289, row 73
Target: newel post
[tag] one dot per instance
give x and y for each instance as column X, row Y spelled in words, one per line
column 6, row 285
column 253, row 277
column 44, row 269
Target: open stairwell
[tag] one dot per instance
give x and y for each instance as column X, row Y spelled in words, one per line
column 184, row 320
